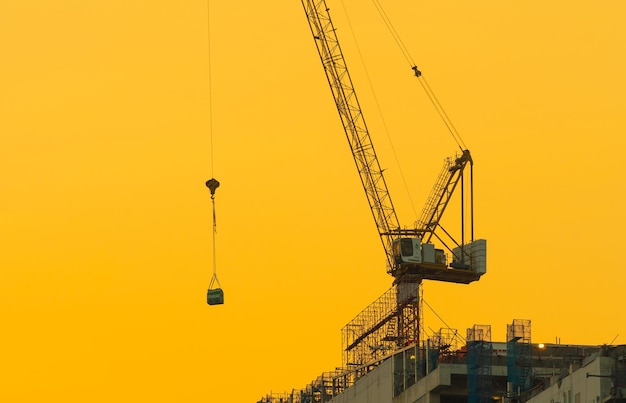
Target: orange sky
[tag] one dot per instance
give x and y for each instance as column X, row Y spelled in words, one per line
column 105, row 142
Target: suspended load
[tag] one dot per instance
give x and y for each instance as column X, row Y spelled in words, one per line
column 214, row 296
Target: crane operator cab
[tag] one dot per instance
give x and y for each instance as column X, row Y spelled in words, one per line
column 414, row 259
column 412, row 252
column 406, row 250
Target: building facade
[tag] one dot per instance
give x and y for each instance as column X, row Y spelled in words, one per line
column 496, row 372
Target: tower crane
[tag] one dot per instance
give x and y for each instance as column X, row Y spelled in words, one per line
column 411, row 256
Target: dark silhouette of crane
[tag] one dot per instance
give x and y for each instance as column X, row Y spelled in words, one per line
column 410, row 252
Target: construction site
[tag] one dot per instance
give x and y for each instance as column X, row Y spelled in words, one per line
column 448, row 368
column 386, row 355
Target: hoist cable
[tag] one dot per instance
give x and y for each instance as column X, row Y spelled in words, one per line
column 429, row 92
column 380, row 113
column 441, row 319
column 394, row 33
column 210, row 89
column 442, row 113
column 212, row 184
column 214, row 278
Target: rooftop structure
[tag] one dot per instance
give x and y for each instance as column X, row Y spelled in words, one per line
column 439, row 371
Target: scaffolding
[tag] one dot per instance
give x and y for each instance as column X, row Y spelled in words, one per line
column 287, row 397
column 445, row 343
column 519, row 358
column 389, row 323
column 322, row 389
column 479, row 353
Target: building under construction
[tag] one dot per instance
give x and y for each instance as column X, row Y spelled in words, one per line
column 448, row 368
column 385, row 356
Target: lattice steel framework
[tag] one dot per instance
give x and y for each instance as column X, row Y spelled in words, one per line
column 390, row 322
column 286, row 397
column 446, row 343
column 519, row 357
column 321, row 390
column 479, row 353
column 347, row 103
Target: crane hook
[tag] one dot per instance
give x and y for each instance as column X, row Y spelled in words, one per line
column 212, row 184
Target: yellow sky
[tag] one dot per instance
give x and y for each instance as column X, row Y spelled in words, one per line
column 105, row 142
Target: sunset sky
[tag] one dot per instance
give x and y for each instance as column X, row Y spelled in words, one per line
column 106, row 141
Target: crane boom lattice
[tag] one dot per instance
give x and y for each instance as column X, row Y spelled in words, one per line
column 441, row 194
column 353, row 122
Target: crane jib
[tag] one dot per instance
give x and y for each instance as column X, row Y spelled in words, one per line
column 354, row 125
column 429, row 226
